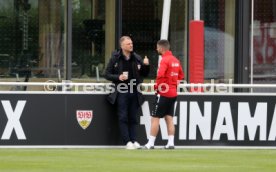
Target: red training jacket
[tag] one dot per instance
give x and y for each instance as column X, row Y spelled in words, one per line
column 169, row 73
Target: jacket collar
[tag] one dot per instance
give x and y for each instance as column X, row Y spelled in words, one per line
column 119, row 53
column 167, row 53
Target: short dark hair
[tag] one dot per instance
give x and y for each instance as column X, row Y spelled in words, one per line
column 123, row 38
column 164, row 43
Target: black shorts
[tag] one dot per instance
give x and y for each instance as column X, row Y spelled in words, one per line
column 163, row 106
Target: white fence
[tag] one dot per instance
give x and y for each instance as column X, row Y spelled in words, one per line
column 147, row 88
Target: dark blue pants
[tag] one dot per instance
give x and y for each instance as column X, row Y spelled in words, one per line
column 127, row 108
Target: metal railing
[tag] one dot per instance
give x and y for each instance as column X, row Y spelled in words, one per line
column 147, row 88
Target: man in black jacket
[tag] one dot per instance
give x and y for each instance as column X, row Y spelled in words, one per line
column 126, row 70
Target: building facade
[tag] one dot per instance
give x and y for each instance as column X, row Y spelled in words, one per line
column 73, row 39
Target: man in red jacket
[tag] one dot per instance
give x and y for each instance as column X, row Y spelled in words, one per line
column 169, row 74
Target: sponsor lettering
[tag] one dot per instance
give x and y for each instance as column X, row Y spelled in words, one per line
column 13, row 123
column 195, row 120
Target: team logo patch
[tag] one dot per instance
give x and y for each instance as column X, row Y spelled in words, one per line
column 84, row 118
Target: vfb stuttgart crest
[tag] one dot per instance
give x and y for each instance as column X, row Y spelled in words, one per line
column 84, row 118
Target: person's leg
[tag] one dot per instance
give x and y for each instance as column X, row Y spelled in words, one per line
column 132, row 115
column 171, row 129
column 155, row 119
column 154, row 129
column 122, row 110
column 170, row 125
column 169, row 122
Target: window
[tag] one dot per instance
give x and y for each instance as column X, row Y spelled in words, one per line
column 93, row 37
column 264, row 43
column 219, row 21
column 142, row 21
column 32, row 39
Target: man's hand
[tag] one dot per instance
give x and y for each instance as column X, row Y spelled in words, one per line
column 146, row 60
column 122, row 77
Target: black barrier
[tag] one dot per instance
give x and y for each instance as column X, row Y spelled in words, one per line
column 51, row 119
column 79, row 119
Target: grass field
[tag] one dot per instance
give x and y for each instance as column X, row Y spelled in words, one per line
column 77, row 160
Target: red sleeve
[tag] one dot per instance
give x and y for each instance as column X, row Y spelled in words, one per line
column 180, row 74
column 161, row 73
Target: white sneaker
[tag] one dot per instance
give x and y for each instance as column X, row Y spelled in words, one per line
column 147, row 146
column 130, row 145
column 169, row 147
column 137, row 145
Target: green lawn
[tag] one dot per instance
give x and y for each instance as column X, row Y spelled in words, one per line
column 36, row 160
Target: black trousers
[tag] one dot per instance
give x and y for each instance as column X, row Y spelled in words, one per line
column 127, row 108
